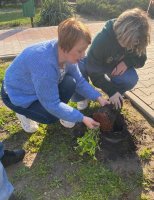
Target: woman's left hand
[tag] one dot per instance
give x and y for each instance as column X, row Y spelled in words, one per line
column 102, row 101
column 119, row 69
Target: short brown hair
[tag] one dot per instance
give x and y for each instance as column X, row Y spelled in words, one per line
column 132, row 30
column 70, row 31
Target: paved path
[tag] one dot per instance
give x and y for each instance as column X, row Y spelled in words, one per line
column 13, row 41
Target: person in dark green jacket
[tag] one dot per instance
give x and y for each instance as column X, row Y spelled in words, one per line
column 116, row 51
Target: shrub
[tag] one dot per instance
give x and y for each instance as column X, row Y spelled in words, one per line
column 97, row 8
column 111, row 8
column 54, row 11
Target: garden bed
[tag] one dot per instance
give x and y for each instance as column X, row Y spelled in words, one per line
column 53, row 169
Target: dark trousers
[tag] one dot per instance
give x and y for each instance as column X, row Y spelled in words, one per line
column 36, row 111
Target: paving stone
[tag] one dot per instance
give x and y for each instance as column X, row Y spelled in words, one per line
column 138, row 92
column 146, row 83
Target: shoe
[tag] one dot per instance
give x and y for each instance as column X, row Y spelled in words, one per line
column 12, row 157
column 27, row 124
column 81, row 105
column 67, row 124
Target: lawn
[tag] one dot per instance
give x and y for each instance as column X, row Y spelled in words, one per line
column 13, row 17
column 53, row 169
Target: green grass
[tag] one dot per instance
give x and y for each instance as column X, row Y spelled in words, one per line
column 57, row 171
column 3, row 66
column 12, row 17
column 145, row 153
column 94, row 181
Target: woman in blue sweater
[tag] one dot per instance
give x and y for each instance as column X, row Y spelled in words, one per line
column 41, row 80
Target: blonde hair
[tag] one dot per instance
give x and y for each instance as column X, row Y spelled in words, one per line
column 132, row 30
column 70, row 32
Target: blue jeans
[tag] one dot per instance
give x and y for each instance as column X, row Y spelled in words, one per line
column 125, row 81
column 1, row 150
column 36, row 111
column 6, row 187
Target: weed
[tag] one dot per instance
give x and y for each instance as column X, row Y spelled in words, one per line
column 21, row 172
column 35, row 141
column 12, row 128
column 72, row 104
column 56, row 183
column 145, row 153
column 144, row 197
column 6, row 116
column 41, row 169
column 125, row 112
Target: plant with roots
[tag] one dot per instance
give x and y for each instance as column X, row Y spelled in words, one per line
column 89, row 143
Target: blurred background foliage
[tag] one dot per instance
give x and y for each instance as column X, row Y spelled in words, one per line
column 111, row 8
column 52, row 12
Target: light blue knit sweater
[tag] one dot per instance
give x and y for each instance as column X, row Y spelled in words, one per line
column 34, row 75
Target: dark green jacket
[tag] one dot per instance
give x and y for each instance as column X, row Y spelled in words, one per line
column 104, row 55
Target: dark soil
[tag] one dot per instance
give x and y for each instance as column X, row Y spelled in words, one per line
column 115, row 139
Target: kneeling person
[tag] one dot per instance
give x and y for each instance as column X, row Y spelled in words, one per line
column 116, row 51
column 42, row 79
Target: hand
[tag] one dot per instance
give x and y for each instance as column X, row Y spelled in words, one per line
column 116, row 100
column 102, row 101
column 119, row 69
column 90, row 123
